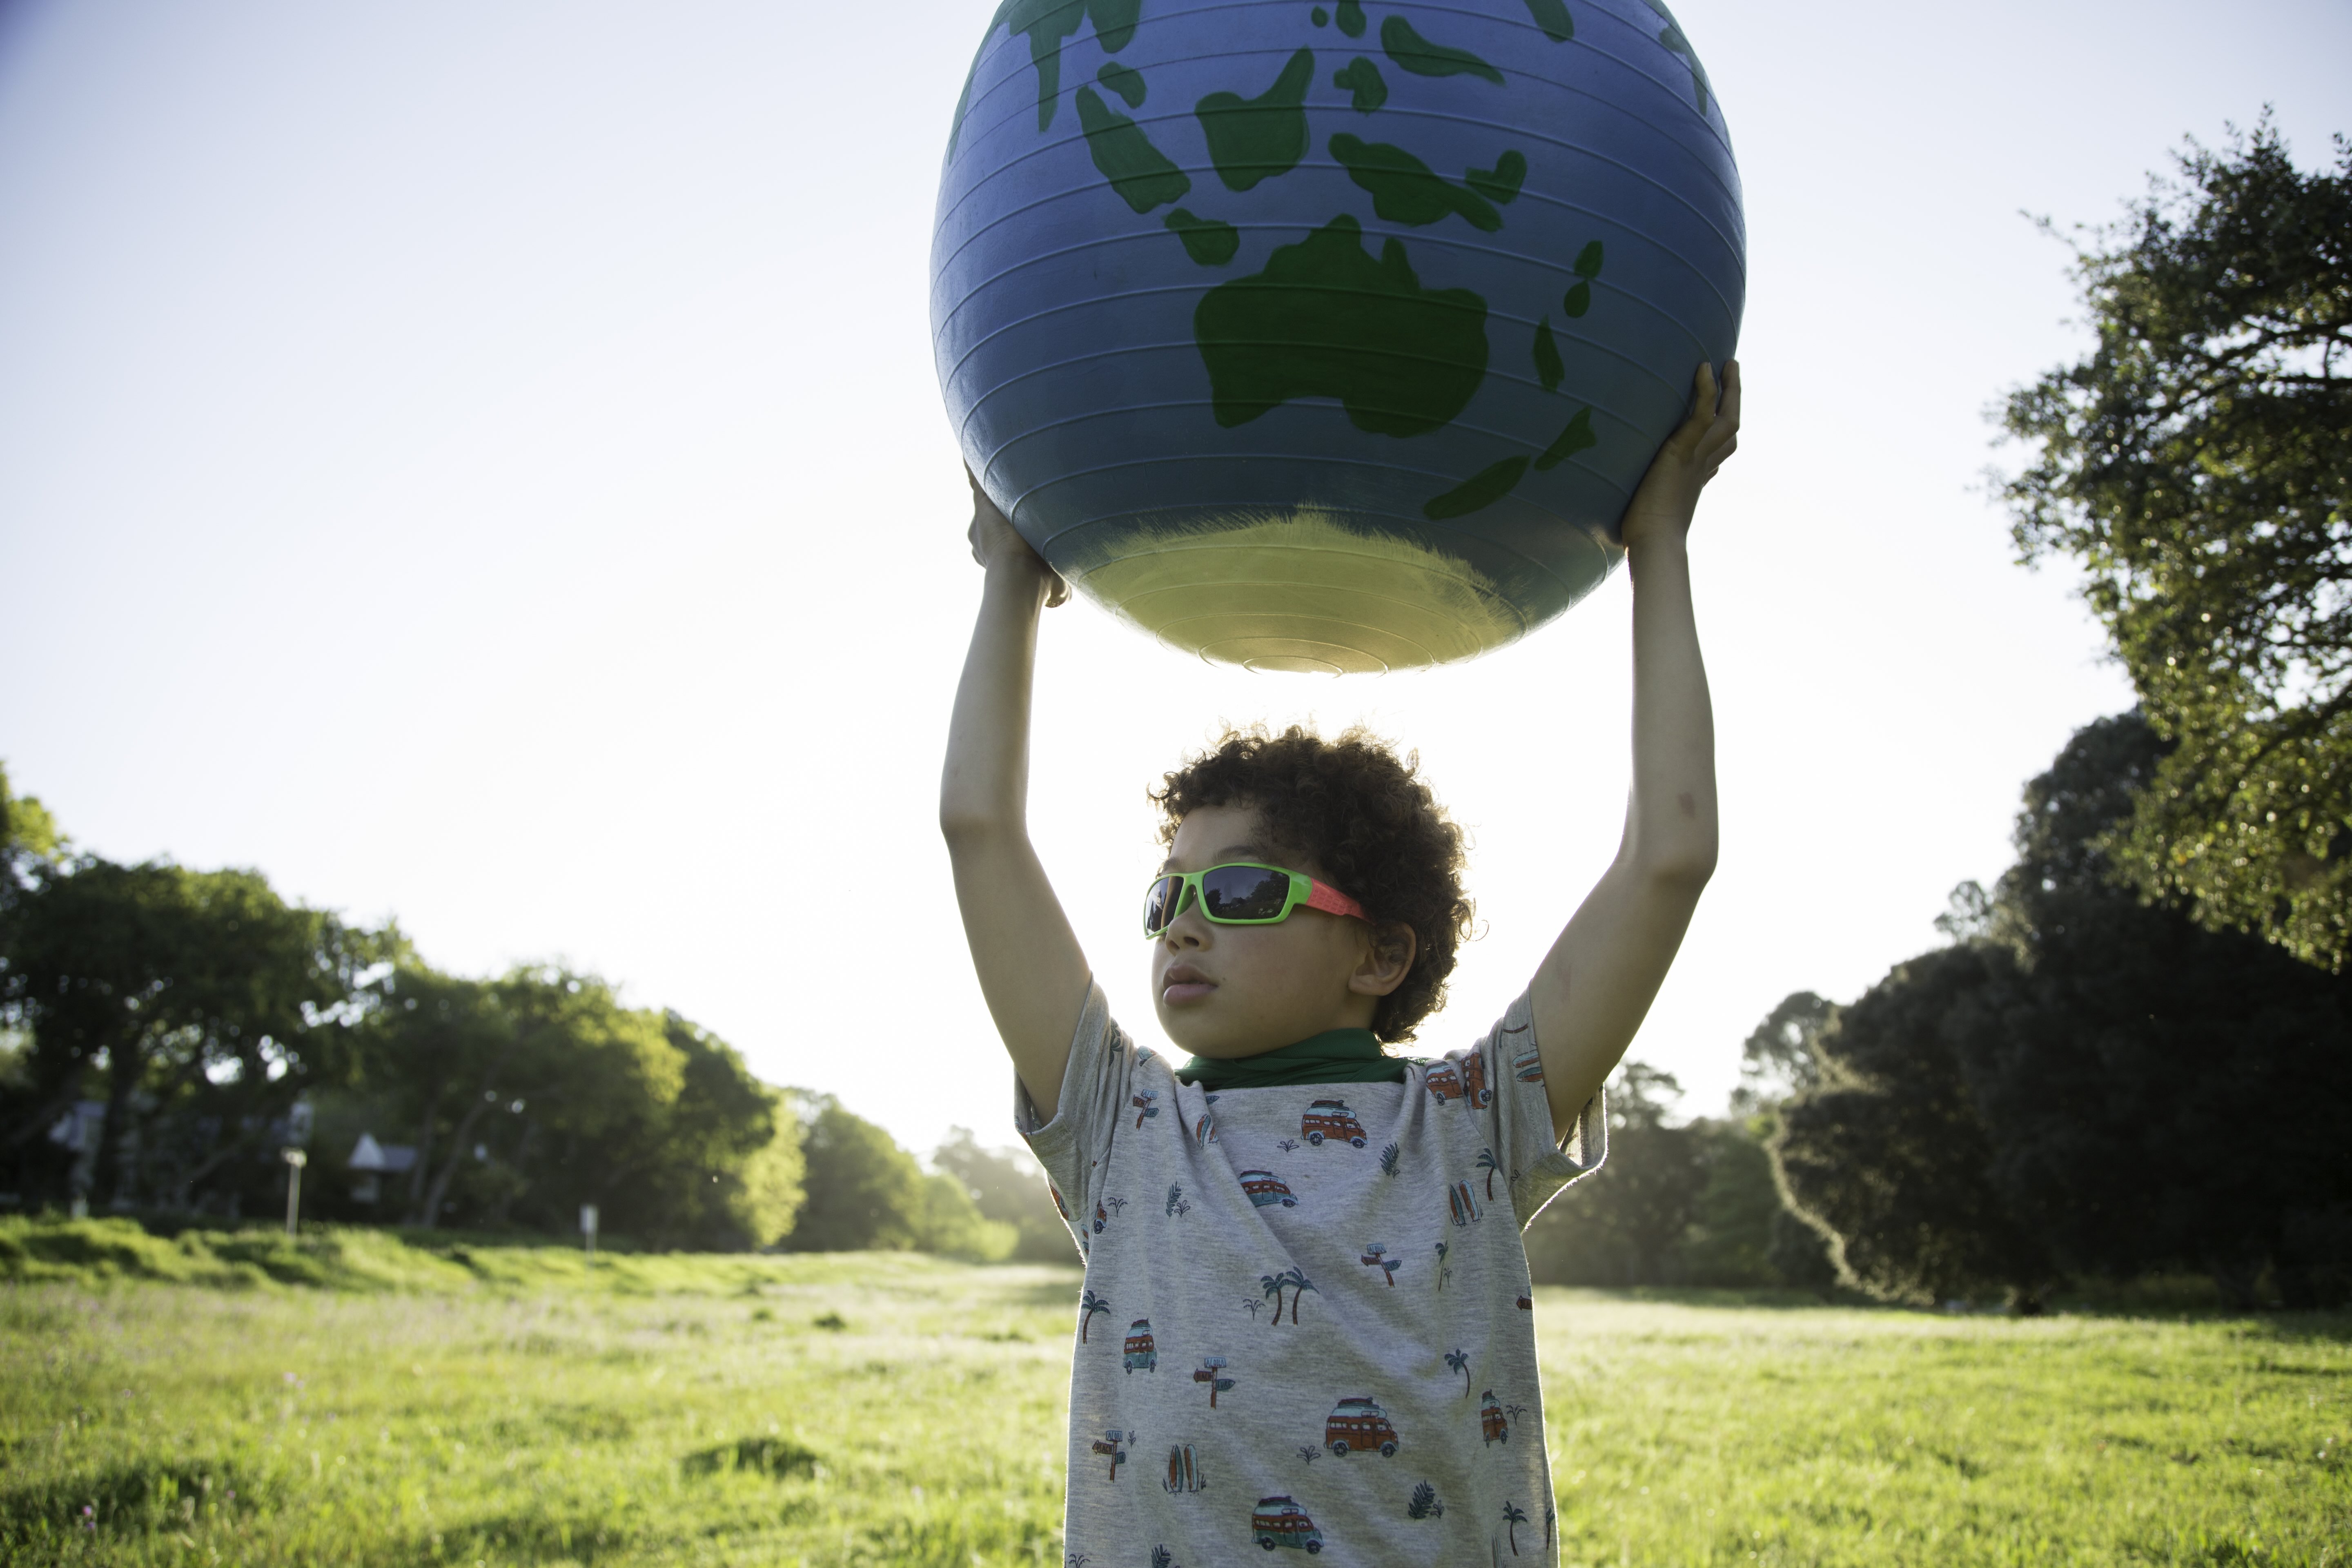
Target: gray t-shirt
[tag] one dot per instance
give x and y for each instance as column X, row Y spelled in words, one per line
column 1307, row 1319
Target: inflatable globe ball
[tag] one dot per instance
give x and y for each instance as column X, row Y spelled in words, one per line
column 1330, row 337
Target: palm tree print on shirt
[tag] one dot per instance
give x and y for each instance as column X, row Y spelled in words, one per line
column 1459, row 1361
column 1514, row 1517
column 1488, row 1164
column 1088, row 1305
column 1273, row 1285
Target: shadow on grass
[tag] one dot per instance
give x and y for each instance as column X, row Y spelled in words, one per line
column 777, row 1458
column 137, row 1497
column 522, row 1538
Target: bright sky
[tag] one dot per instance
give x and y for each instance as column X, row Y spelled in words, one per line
column 483, row 465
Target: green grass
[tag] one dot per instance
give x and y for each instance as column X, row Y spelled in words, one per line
column 469, row 1404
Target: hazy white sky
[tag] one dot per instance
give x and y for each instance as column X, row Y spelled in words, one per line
column 482, row 464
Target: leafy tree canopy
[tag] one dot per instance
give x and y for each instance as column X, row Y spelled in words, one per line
column 527, row 1096
column 199, row 1003
column 2196, row 464
column 1008, row 1187
column 2083, row 1084
column 1689, row 1202
column 864, row 1191
column 28, row 831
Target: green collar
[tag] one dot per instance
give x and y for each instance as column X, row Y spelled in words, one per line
column 1335, row 1056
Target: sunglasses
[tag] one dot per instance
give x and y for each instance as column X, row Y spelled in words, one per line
column 1242, row 893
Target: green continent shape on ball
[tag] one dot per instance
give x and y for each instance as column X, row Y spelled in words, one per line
column 1673, row 41
column 1362, row 79
column 1254, row 139
column 1137, row 171
column 1326, row 319
column 1210, row 241
column 1405, row 190
column 1047, row 24
column 1552, row 16
column 1482, row 488
column 1408, row 50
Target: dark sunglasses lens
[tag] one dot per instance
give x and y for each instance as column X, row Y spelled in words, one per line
column 1159, row 905
column 1243, row 892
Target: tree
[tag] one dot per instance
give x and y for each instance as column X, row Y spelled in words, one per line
column 430, row 1057
column 1299, row 1285
column 1493, row 1167
column 2198, row 465
column 1888, row 1154
column 28, row 834
column 729, row 1147
column 1009, row 1188
column 1622, row 1225
column 953, row 1227
column 2041, row 1097
column 1728, row 1237
column 2123, row 1034
column 527, row 1096
column 199, row 1003
column 864, row 1191
column 1088, row 1305
column 1779, row 1058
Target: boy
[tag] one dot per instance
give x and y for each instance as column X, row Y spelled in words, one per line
column 1315, row 1308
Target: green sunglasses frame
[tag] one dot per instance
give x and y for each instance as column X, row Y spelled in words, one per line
column 1305, row 892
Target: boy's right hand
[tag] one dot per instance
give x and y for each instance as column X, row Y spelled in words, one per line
column 997, row 545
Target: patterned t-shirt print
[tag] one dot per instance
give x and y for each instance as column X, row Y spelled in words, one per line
column 1327, row 1334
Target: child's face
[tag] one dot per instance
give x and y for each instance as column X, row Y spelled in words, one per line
column 1236, row 991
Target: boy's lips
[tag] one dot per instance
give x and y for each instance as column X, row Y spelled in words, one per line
column 1183, row 983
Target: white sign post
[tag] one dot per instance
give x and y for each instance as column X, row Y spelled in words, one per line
column 588, row 1226
column 295, row 1160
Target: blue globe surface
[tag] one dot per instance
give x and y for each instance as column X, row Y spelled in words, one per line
column 1330, row 337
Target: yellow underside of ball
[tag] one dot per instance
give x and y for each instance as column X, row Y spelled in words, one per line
column 1297, row 591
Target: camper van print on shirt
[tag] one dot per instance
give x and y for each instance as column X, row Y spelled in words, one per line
column 1326, row 1342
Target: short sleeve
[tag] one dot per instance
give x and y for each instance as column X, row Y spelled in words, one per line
column 1074, row 1146
column 1503, row 1078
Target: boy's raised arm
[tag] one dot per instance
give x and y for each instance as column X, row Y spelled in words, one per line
column 1031, row 971
column 1596, row 985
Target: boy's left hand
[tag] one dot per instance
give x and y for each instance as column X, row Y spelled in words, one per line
column 1662, row 507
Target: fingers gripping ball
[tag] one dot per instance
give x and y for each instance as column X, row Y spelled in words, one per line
column 1330, row 337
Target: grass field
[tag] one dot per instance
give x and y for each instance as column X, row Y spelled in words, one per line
column 176, row 1403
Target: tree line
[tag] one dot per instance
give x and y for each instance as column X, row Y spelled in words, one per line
column 2079, row 1086
column 166, row 1032
column 2133, row 1054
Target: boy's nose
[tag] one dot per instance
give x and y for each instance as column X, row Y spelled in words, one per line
column 1187, row 930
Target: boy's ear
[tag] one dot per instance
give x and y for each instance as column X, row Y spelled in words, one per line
column 1388, row 959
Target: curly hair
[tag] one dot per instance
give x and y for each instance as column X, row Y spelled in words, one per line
column 1354, row 812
